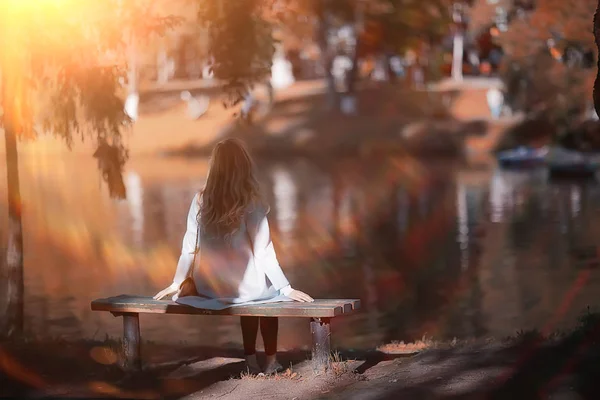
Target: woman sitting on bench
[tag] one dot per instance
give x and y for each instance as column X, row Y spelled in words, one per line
column 227, row 253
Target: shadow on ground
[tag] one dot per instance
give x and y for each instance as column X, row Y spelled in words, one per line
column 72, row 369
column 526, row 367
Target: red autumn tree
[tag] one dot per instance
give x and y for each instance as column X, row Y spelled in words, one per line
column 549, row 54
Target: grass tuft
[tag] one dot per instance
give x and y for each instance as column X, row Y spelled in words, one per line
column 288, row 374
column 399, row 347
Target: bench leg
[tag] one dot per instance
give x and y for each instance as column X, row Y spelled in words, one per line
column 321, row 343
column 131, row 342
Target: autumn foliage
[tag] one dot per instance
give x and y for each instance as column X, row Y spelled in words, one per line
column 548, row 68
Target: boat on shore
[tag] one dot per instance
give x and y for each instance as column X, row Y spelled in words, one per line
column 522, row 157
column 572, row 164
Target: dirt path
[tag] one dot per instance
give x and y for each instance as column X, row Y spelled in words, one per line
column 523, row 368
column 435, row 374
column 491, row 370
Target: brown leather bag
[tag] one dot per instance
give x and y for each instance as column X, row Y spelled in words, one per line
column 187, row 288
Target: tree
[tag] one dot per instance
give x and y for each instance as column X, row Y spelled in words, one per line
column 61, row 66
column 411, row 25
column 241, row 43
column 381, row 27
column 139, row 18
column 548, row 56
column 243, row 34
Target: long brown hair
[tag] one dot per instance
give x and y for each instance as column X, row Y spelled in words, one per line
column 230, row 189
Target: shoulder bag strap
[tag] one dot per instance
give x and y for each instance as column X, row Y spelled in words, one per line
column 248, row 237
column 196, row 249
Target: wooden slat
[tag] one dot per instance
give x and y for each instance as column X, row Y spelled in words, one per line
column 320, row 308
column 353, row 303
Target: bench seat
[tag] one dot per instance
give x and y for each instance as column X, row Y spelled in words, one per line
column 319, row 312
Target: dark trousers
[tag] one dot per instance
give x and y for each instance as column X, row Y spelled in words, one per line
column 268, row 330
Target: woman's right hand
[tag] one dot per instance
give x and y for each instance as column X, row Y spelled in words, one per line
column 302, row 297
column 164, row 293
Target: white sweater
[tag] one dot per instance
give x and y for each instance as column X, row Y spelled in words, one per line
column 232, row 272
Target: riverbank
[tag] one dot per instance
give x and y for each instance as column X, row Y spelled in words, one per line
column 447, row 119
column 538, row 132
column 390, row 119
column 164, row 123
column 528, row 365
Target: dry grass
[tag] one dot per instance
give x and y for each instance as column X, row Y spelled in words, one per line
column 428, row 343
column 288, row 374
column 408, row 348
column 339, row 366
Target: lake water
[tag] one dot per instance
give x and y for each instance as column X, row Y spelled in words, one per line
column 438, row 250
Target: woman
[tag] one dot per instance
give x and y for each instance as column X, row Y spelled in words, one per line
column 227, row 253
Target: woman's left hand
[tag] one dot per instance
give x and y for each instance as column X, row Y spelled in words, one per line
column 164, row 293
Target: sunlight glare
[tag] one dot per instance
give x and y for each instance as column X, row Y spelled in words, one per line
column 23, row 9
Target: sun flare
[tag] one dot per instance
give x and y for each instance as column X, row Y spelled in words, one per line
column 51, row 8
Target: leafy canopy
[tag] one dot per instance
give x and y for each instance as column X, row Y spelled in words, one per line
column 63, row 63
column 241, row 43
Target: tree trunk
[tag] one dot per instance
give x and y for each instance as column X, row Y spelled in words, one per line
column 353, row 74
column 326, row 55
column 350, row 106
column 458, row 45
column 597, row 39
column 11, row 270
column 133, row 98
column 457, row 56
column 391, row 74
column 162, row 65
column 132, row 71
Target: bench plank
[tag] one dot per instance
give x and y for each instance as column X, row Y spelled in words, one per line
column 320, row 308
column 354, row 303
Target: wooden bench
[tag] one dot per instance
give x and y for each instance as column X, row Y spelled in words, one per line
column 320, row 313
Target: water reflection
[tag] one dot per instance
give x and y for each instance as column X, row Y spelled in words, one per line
column 135, row 195
column 435, row 250
column 284, row 191
column 463, row 226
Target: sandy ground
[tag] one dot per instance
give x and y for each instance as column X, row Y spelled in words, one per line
column 476, row 371
column 511, row 369
column 466, row 371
